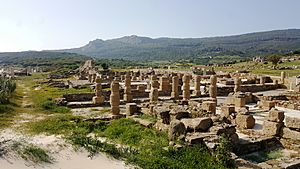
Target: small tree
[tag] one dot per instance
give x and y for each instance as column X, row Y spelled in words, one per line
column 104, row 66
column 274, row 59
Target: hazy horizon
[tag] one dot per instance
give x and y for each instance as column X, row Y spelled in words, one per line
column 37, row 25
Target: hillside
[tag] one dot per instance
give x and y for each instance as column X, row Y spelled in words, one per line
column 43, row 58
column 144, row 48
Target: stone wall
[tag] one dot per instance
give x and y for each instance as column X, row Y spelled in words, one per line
column 225, row 90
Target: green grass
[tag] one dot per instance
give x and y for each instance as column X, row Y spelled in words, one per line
column 148, row 117
column 9, row 110
column 262, row 69
column 264, row 156
column 143, row 147
column 65, row 124
column 35, row 154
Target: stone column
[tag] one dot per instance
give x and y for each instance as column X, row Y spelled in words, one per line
column 127, row 89
column 12, row 72
column 94, row 76
column 262, row 80
column 90, row 78
column 197, row 91
column 237, row 85
column 175, row 84
column 164, row 84
column 98, row 99
column 115, row 98
column 282, row 77
column 154, row 82
column 213, row 87
column 186, row 88
column 154, row 89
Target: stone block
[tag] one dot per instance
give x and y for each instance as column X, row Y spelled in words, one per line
column 176, row 129
column 243, row 111
column 267, row 104
column 197, row 124
column 209, row 106
column 240, row 101
column 245, row 121
column 131, row 109
column 272, row 128
column 227, row 110
column 276, row 115
column 179, row 114
column 163, row 113
column 292, row 122
column 290, row 134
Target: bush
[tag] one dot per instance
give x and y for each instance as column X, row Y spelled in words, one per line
column 7, row 87
column 51, row 106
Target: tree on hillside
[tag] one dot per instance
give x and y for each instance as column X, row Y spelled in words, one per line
column 104, row 66
column 274, row 59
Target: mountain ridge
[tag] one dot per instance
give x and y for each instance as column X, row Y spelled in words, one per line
column 135, row 47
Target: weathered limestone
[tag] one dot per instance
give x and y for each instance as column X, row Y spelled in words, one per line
column 282, row 77
column 262, row 80
column 272, row 128
column 267, row 104
column 226, row 111
column 290, row 134
column 176, row 130
column 90, row 78
column 213, row 86
column 276, row 115
column 164, row 84
column 141, row 88
column 131, row 109
column 292, row 122
column 154, row 82
column 245, row 121
column 197, row 124
column 274, row 123
column 98, row 99
column 115, row 98
column 186, row 87
column 197, row 84
column 179, row 113
column 127, row 89
column 237, row 85
column 94, row 76
column 154, row 89
column 209, row 106
column 175, row 84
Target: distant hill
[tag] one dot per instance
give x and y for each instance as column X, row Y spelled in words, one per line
column 144, row 48
column 197, row 50
column 43, row 58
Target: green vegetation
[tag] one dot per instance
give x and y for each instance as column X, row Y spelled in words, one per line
column 7, row 87
column 144, row 147
column 35, row 154
column 51, row 106
column 148, row 49
column 264, row 156
column 274, row 59
column 10, row 97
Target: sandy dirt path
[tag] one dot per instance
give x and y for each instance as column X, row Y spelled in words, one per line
column 63, row 154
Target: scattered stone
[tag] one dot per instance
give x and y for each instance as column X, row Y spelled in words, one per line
column 276, row 115
column 272, row 128
column 245, row 121
column 176, row 129
column 292, row 122
column 197, row 124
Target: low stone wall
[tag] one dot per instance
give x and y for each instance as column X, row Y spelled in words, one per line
column 247, row 147
column 79, row 97
column 225, row 90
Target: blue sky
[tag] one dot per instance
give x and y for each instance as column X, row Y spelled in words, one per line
column 57, row 24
